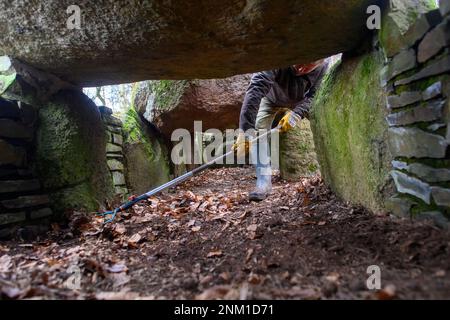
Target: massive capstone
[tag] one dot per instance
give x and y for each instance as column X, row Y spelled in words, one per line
column 125, row 41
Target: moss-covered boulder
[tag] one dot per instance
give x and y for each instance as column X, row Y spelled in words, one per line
column 350, row 131
column 297, row 154
column 146, row 156
column 70, row 152
column 174, row 104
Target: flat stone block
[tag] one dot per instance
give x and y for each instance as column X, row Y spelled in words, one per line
column 112, row 121
column 434, row 41
column 412, row 186
column 7, row 218
column 112, row 148
column 404, row 99
column 404, row 61
column 436, row 68
column 11, row 155
column 115, row 165
column 114, row 156
column 423, row 24
column 114, row 129
column 431, row 112
column 121, row 190
column 25, row 202
column 13, row 129
column 413, row 142
column 117, row 139
column 432, row 91
column 437, row 217
column 429, row 174
column 19, row 186
column 118, row 178
column 42, row 213
column 399, row 206
column 441, row 196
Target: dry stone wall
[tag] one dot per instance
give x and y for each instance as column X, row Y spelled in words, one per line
column 22, row 198
column 417, row 81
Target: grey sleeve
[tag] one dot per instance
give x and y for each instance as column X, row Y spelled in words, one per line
column 259, row 87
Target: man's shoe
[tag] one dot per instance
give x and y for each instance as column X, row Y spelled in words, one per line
column 257, row 196
column 263, row 185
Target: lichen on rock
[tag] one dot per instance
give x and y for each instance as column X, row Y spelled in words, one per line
column 146, row 155
column 70, row 152
column 350, row 131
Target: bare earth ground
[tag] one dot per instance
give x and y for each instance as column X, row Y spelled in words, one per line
column 204, row 240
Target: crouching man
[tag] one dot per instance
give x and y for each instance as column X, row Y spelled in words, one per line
column 289, row 90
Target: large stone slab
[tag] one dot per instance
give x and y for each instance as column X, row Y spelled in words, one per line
column 430, row 112
column 138, row 40
column 11, row 155
column 436, row 68
column 13, row 129
column 399, row 206
column 25, row 201
column 7, row 218
column 19, row 186
column 429, row 174
column 412, row 186
column 434, row 41
column 404, row 99
column 413, row 142
column 171, row 105
column 441, row 196
column 404, row 61
column 115, row 165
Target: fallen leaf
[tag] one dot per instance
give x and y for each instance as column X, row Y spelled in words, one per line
column 5, row 263
column 217, row 253
column 214, row 293
column 11, row 292
column 117, row 268
column 388, row 293
column 134, row 240
column 123, row 295
column 196, row 229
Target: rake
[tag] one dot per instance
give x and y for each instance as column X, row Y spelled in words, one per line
column 133, row 200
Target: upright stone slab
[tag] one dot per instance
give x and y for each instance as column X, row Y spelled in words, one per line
column 71, row 152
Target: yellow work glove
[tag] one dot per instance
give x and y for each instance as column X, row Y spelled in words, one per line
column 242, row 145
column 289, row 121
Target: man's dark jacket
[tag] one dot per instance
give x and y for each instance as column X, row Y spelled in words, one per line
column 283, row 88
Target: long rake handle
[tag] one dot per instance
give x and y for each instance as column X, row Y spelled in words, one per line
column 177, row 180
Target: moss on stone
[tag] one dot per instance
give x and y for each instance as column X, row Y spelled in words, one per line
column 70, row 152
column 77, row 197
column 167, row 93
column 62, row 153
column 397, row 20
column 146, row 156
column 297, row 154
column 350, row 131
